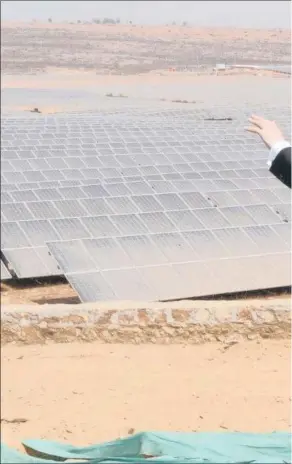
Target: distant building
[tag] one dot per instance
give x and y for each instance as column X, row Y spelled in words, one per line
column 220, row 67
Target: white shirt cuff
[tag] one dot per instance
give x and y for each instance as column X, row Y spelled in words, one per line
column 275, row 150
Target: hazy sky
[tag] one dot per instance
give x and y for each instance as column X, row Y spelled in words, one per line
column 257, row 14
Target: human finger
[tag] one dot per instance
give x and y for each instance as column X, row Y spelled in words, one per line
column 257, row 118
column 257, row 122
column 254, row 129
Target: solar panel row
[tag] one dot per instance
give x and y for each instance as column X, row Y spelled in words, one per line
column 142, row 204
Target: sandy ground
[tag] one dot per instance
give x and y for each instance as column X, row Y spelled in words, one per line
column 38, row 294
column 210, row 34
column 89, row 393
column 54, row 292
column 30, row 48
column 213, row 33
column 77, row 91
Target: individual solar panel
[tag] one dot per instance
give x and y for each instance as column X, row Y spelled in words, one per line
column 6, row 197
column 12, row 236
column 223, row 184
column 128, row 284
column 13, row 177
column 141, row 250
column 5, row 274
column 95, row 206
column 174, row 247
column 72, row 256
column 221, row 199
column 100, row 226
column 262, row 214
column 23, row 196
column 70, row 192
column 263, row 182
column 156, row 222
column 122, row 205
column 164, row 282
column 51, row 265
column 205, row 185
column 235, row 241
column 47, row 194
column 161, row 186
column 43, row 210
column 283, row 194
column 37, row 176
column 147, row 203
column 26, row 263
column 266, row 239
column 247, row 272
column 91, row 286
column 204, row 244
column 194, row 278
column 245, row 197
column 171, row 201
column 212, row 218
column 266, row 196
column 70, row 208
column 185, row 220
column 107, row 253
column 238, row 216
column 194, row 200
column 16, row 211
column 284, row 231
column 39, row 232
column 95, row 191
column 129, row 224
column 69, row 228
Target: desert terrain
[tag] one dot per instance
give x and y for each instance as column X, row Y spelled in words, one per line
column 130, row 49
column 86, row 393
column 89, row 393
column 59, row 67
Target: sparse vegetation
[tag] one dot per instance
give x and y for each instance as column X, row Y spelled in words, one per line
column 106, row 21
column 183, row 101
column 116, row 51
column 116, row 96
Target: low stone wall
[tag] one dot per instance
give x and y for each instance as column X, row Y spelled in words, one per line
column 130, row 322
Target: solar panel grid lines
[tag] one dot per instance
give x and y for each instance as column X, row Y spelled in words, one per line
column 179, row 280
column 283, row 230
column 124, row 178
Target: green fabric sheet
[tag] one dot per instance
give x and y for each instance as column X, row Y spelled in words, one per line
column 164, row 448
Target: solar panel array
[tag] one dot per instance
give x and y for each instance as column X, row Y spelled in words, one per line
column 158, row 204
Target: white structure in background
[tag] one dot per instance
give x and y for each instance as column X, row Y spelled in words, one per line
column 220, row 67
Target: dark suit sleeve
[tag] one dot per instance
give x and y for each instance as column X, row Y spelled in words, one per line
column 281, row 166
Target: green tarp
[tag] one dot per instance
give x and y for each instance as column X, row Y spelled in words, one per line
column 164, row 448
